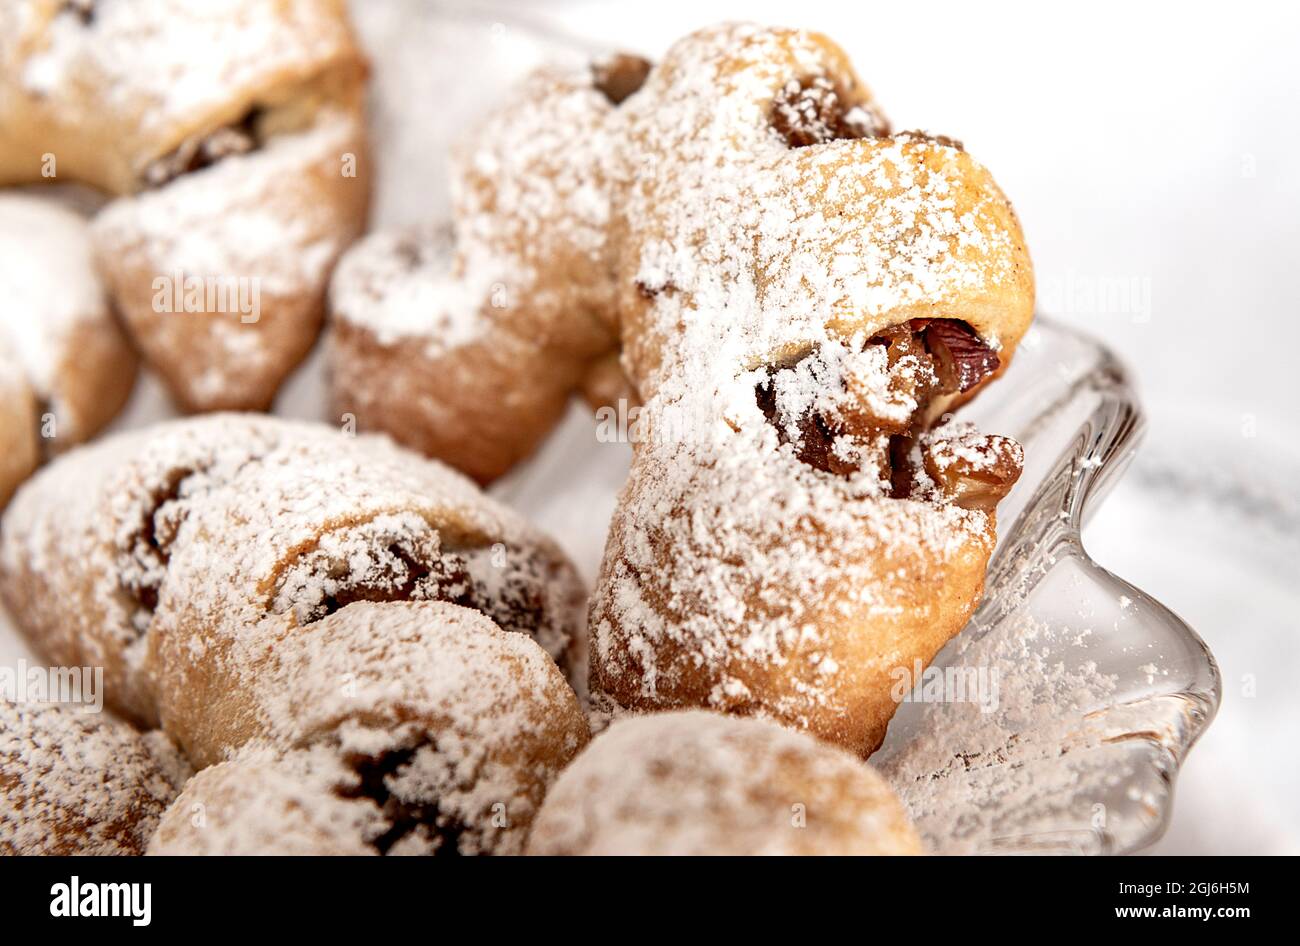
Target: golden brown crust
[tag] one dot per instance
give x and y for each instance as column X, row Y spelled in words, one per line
column 451, row 406
column 847, row 236
column 779, row 593
column 467, row 345
column 480, row 720
column 78, row 782
column 66, row 368
column 481, row 403
column 271, row 226
column 19, row 450
column 694, row 783
column 240, row 522
column 268, row 587
column 110, row 96
column 232, row 139
column 784, row 230
column 95, row 378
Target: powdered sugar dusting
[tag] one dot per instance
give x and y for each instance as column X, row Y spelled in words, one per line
column 527, row 250
column 755, row 249
column 480, row 719
column 403, row 285
column 731, row 558
column 160, row 70
column 696, row 783
column 78, row 783
column 48, row 283
column 1006, row 764
column 483, row 700
column 264, row 802
column 238, row 217
column 164, row 530
column 262, row 584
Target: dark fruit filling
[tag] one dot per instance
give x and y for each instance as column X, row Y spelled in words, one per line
column 620, row 76
column 813, row 110
column 841, row 421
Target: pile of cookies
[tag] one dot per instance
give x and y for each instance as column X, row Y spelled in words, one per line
column 317, row 642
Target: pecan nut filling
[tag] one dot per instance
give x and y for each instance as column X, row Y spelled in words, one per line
column 620, row 76
column 204, row 150
column 867, row 406
column 814, row 110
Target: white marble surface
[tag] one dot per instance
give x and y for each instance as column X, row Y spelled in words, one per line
column 1151, row 152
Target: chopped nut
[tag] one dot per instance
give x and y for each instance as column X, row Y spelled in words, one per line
column 813, row 111
column 944, row 140
column 620, row 76
column 962, row 358
column 847, row 408
column 200, row 151
column 973, row 470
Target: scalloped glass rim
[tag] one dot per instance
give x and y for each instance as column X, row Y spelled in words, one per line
column 1101, row 690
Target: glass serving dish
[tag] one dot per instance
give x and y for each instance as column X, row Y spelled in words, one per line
column 1100, row 690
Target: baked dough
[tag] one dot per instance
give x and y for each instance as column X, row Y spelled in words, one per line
column 236, row 527
column 697, row 783
column 466, row 343
column 800, row 294
column 315, row 607
column 410, row 728
column 65, row 367
column 477, row 395
column 231, row 138
column 263, row 803
column 77, row 782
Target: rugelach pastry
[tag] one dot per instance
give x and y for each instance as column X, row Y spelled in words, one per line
column 66, row 369
column 697, row 783
column 75, row 782
column 273, row 593
column 230, row 140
